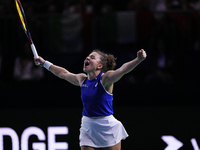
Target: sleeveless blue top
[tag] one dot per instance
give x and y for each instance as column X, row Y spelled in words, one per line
column 96, row 100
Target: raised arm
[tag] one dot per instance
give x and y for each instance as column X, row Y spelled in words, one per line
column 75, row 79
column 113, row 76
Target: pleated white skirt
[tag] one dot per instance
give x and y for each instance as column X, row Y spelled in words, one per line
column 99, row 132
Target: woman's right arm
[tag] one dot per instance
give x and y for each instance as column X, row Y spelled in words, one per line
column 75, row 79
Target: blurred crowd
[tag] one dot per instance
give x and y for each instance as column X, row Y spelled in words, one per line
column 167, row 37
column 95, row 6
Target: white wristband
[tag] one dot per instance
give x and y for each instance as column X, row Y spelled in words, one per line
column 47, row 65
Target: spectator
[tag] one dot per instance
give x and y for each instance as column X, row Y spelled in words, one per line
column 24, row 68
column 195, row 4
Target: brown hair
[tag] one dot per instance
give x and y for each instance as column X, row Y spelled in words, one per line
column 107, row 60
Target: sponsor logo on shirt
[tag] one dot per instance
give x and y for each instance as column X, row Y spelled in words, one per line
column 84, row 85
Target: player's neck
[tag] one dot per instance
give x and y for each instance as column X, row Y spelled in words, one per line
column 93, row 75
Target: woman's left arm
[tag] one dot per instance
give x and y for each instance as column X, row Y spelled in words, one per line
column 114, row 75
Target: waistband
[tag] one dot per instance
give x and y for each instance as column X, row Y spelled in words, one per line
column 98, row 118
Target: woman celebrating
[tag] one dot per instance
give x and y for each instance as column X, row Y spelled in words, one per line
column 99, row 128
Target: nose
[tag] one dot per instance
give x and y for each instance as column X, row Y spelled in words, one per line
column 87, row 58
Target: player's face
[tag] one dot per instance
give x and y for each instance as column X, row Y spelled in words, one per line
column 92, row 62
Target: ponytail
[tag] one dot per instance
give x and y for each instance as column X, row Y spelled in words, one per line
column 107, row 60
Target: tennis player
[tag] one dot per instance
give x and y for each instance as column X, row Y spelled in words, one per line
column 99, row 128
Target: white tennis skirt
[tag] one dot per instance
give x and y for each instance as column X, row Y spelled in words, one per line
column 99, row 132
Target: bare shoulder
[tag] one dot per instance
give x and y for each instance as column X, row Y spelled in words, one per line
column 107, row 76
column 81, row 77
column 113, row 76
column 107, row 82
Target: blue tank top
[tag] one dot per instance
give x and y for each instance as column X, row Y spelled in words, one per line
column 96, row 100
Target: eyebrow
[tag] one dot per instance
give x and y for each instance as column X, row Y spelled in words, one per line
column 91, row 55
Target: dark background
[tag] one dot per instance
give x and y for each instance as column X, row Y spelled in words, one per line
column 145, row 125
column 153, row 96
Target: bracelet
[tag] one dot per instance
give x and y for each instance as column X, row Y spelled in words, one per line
column 47, row 65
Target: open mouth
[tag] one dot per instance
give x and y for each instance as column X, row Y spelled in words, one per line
column 86, row 63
